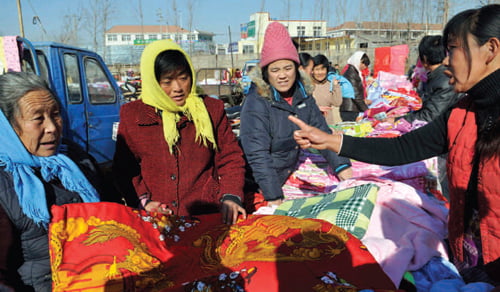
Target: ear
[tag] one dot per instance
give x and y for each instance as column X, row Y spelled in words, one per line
column 493, row 46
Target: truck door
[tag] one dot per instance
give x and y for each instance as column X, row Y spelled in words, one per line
column 76, row 120
column 102, row 109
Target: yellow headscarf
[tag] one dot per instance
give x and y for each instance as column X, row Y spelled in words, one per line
column 152, row 94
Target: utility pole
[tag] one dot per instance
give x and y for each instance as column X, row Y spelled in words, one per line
column 445, row 12
column 159, row 14
column 20, row 18
column 230, row 48
column 141, row 16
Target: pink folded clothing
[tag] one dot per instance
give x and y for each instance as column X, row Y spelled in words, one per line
column 407, row 227
column 9, row 54
column 313, row 176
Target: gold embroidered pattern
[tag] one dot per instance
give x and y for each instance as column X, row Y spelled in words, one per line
column 271, row 238
column 137, row 261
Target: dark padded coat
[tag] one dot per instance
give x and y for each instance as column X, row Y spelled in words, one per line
column 358, row 103
column 35, row 267
column 267, row 135
column 437, row 97
column 24, row 247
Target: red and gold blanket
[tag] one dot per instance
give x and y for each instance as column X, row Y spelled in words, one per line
column 110, row 247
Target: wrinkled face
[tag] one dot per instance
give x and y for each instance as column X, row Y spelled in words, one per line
column 282, row 75
column 308, row 68
column 319, row 72
column 177, row 85
column 463, row 75
column 39, row 123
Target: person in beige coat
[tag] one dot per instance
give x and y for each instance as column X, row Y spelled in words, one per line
column 327, row 94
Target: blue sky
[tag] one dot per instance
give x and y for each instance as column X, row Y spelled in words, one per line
column 208, row 15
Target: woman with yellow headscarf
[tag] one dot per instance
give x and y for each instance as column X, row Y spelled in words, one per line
column 176, row 152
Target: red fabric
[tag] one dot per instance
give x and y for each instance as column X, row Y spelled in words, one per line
column 344, row 69
column 382, row 60
column 391, row 59
column 192, row 179
column 399, row 54
column 110, row 247
column 289, row 100
column 253, row 201
column 365, row 73
column 400, row 97
column 462, row 135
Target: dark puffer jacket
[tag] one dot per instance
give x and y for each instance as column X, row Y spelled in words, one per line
column 34, row 269
column 24, row 247
column 358, row 103
column 267, row 135
column 438, row 96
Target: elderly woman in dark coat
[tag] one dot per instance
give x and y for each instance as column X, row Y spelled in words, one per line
column 34, row 175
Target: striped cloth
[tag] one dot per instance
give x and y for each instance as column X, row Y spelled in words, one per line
column 349, row 209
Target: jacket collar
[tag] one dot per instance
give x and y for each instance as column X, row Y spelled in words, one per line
column 486, row 92
column 436, row 72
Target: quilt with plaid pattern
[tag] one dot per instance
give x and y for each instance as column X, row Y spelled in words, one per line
column 349, row 209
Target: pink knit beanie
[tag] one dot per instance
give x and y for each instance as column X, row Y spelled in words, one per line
column 277, row 45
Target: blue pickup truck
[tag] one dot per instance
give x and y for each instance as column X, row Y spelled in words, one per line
column 89, row 95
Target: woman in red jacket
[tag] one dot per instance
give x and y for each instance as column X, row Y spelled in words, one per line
column 470, row 132
column 176, row 152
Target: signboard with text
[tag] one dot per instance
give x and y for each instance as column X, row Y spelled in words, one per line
column 233, row 47
column 251, row 29
column 243, row 31
column 143, row 42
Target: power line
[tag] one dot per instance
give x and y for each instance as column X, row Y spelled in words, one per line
column 36, row 19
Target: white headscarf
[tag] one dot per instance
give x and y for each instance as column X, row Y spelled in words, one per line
column 355, row 60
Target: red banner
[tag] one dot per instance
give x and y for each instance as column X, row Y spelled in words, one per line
column 391, row 59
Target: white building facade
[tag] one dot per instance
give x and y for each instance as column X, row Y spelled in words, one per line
column 252, row 32
column 124, row 43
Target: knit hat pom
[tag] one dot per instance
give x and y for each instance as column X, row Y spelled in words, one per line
column 277, row 45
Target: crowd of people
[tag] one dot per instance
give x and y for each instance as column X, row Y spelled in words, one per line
column 177, row 154
column 469, row 131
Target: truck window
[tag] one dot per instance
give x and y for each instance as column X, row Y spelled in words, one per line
column 44, row 67
column 72, row 77
column 99, row 86
column 27, row 62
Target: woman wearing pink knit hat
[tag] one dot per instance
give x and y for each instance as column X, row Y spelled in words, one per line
column 278, row 90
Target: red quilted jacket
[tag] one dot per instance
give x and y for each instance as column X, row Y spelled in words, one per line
column 462, row 134
column 191, row 180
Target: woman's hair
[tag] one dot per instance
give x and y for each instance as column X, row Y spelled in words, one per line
column 482, row 23
column 265, row 74
column 321, row 60
column 15, row 85
column 304, row 59
column 431, row 49
column 171, row 61
column 365, row 60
